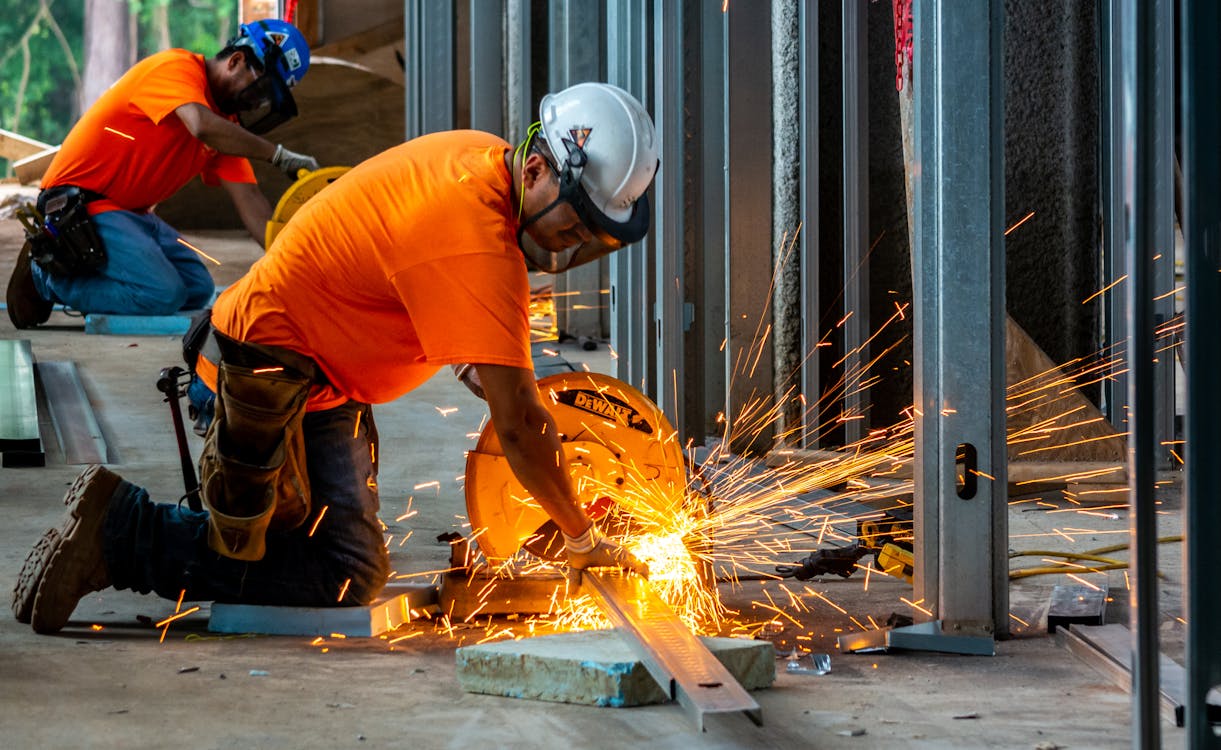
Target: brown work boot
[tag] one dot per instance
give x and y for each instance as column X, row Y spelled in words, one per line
column 31, row 574
column 77, row 566
column 26, row 307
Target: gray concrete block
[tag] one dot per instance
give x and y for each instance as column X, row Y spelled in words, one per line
column 385, row 614
column 595, row 668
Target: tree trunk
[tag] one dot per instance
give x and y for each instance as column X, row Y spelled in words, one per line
column 108, row 47
column 161, row 25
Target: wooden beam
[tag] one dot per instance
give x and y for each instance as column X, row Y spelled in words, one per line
column 352, row 47
column 16, row 146
column 31, row 169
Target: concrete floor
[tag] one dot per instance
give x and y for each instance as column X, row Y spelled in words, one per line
column 107, row 681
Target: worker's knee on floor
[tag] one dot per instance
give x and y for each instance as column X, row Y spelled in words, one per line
column 198, row 295
column 165, row 300
column 361, row 591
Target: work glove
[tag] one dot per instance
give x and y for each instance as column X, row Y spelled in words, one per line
column 592, row 550
column 470, row 379
column 291, row 163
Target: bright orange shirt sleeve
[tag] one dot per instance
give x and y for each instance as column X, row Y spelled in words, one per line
column 404, row 264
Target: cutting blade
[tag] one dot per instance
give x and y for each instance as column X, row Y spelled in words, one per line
column 621, row 451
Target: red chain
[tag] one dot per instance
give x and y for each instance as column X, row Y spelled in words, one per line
column 903, row 39
column 290, row 10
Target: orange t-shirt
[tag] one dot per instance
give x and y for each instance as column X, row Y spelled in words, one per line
column 405, row 263
column 131, row 147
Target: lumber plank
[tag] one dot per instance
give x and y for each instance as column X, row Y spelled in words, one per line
column 31, row 169
column 16, row 146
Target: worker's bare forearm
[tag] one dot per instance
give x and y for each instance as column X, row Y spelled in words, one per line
column 538, row 462
column 531, row 443
column 252, row 207
column 224, row 135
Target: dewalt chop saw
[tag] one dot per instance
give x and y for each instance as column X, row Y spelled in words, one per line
column 623, row 456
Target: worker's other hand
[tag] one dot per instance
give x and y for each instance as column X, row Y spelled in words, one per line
column 592, row 550
column 290, row 162
column 470, row 378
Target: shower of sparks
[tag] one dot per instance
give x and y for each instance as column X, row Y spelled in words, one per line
column 739, row 518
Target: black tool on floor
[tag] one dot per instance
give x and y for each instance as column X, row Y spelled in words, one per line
column 173, row 382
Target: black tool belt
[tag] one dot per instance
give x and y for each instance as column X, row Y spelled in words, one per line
column 65, row 241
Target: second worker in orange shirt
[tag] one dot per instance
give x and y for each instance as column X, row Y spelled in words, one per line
column 173, row 116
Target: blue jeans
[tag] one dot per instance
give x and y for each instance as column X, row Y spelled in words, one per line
column 147, row 272
column 164, row 548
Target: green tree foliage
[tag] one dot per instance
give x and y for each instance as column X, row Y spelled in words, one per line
column 36, row 85
column 37, row 82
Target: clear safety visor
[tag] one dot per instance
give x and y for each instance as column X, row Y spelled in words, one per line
column 606, row 234
column 267, row 102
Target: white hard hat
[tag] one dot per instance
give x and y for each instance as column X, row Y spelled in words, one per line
column 602, row 136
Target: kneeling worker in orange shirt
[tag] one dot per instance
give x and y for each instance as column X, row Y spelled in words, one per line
column 413, row 260
column 173, row 116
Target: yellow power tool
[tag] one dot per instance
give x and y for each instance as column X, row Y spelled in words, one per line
column 308, row 185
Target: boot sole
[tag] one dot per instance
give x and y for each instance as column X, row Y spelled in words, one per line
column 77, row 567
column 26, row 309
column 31, row 575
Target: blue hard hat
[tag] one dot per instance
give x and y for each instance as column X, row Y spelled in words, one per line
column 277, row 46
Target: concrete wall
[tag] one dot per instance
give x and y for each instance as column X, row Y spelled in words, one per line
column 1051, row 168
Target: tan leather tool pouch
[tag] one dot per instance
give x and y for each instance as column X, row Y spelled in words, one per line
column 252, row 472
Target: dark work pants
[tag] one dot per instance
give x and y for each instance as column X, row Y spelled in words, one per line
column 164, row 548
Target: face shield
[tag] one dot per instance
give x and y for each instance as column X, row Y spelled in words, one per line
column 606, row 234
column 267, row 102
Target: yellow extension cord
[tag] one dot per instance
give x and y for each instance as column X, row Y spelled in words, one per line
column 1094, row 555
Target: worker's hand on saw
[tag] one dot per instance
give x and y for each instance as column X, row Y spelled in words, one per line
column 592, row 550
column 290, row 162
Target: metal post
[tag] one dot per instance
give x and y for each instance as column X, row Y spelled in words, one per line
column 856, row 212
column 1115, row 268
column 629, row 39
column 787, row 96
column 670, row 311
column 1161, row 279
column 519, row 99
column 710, row 313
column 748, row 231
column 574, row 33
column 1141, row 26
column 810, row 383
column 961, row 462
column 428, row 61
column 487, row 65
column 1201, row 121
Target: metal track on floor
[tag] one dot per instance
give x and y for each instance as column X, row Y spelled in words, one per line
column 684, row 668
column 20, row 441
column 76, row 426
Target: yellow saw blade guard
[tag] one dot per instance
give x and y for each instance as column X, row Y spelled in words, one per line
column 308, row 185
column 622, row 454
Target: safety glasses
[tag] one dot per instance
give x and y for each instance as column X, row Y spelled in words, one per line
column 606, row 234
